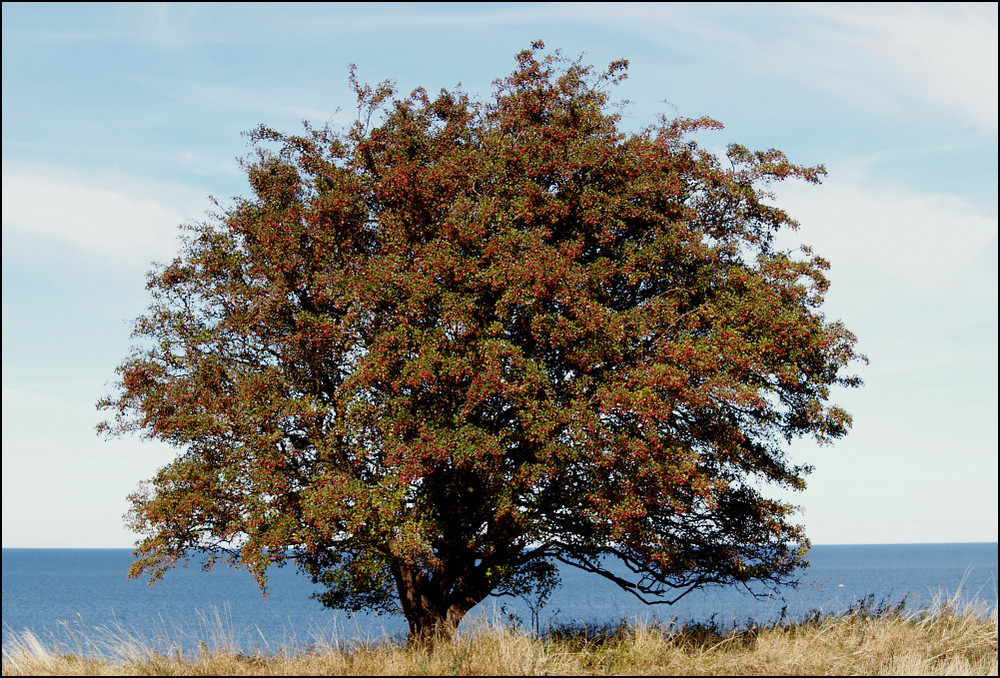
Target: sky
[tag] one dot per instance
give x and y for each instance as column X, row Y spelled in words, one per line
column 120, row 120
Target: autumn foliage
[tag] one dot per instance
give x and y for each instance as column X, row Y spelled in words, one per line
column 462, row 341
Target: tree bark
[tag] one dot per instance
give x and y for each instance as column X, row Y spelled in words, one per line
column 431, row 615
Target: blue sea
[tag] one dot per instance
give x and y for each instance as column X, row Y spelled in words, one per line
column 81, row 598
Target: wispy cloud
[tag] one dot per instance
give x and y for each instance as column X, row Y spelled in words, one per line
column 182, row 26
column 244, row 99
column 112, row 219
column 925, row 243
column 913, row 274
column 944, row 54
column 876, row 56
column 22, row 400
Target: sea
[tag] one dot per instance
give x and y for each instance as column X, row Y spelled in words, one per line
column 81, row 600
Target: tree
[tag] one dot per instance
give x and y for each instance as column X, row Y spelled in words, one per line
column 462, row 341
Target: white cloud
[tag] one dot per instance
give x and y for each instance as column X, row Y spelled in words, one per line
column 27, row 416
column 914, row 276
column 107, row 218
column 15, row 399
column 183, row 26
column 244, row 99
column 879, row 56
column 71, row 491
column 915, row 243
column 945, row 54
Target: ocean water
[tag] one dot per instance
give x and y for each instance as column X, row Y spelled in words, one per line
column 82, row 598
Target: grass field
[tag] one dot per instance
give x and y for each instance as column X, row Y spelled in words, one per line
column 948, row 638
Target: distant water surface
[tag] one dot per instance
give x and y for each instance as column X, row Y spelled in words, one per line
column 74, row 593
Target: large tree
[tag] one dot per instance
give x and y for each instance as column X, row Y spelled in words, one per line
column 460, row 342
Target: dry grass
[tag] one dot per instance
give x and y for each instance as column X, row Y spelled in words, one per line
column 950, row 638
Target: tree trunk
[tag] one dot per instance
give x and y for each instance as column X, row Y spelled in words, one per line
column 433, row 627
column 432, row 618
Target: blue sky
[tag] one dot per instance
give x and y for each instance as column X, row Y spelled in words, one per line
column 120, row 120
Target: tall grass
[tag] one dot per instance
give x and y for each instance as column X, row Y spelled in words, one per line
column 950, row 637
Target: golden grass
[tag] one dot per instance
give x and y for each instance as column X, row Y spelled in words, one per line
column 949, row 638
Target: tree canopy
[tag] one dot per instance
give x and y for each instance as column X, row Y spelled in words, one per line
column 437, row 353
